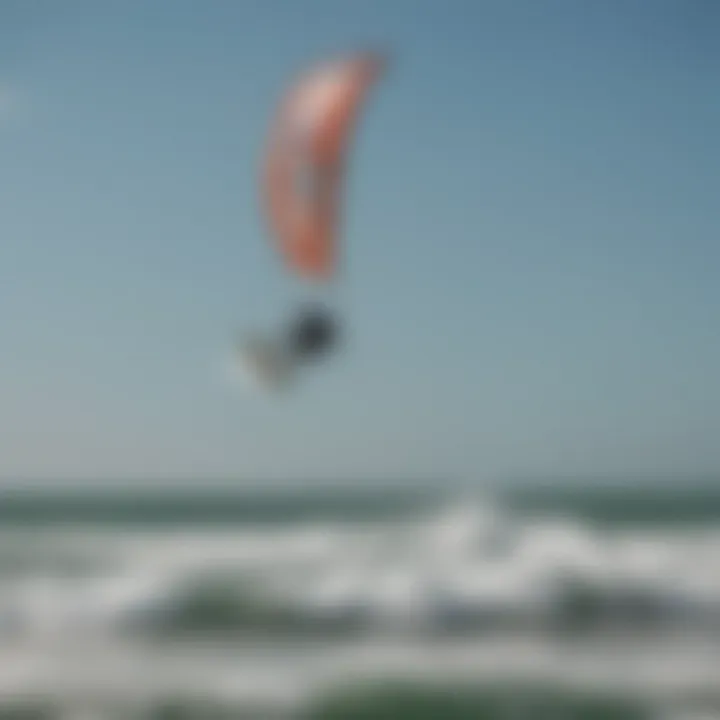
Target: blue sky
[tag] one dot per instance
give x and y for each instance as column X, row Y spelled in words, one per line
column 531, row 240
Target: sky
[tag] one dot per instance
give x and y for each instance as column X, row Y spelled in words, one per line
column 531, row 240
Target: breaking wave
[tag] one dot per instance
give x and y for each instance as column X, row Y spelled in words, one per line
column 270, row 613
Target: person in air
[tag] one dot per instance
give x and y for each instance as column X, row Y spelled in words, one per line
column 311, row 334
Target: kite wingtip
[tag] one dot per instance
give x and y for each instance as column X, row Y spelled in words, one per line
column 379, row 58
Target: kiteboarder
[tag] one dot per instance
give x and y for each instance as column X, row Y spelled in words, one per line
column 313, row 333
column 309, row 141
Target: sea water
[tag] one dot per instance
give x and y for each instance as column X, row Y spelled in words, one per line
column 358, row 600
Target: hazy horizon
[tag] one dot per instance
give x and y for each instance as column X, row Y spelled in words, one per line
column 447, row 482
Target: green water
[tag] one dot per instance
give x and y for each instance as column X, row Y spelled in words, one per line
column 611, row 502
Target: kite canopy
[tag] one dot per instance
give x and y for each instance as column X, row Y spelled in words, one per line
column 306, row 157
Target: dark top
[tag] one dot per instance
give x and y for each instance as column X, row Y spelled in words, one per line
column 313, row 332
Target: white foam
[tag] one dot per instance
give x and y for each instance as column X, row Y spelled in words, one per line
column 468, row 557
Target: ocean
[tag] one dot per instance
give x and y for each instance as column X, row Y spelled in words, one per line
column 571, row 599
